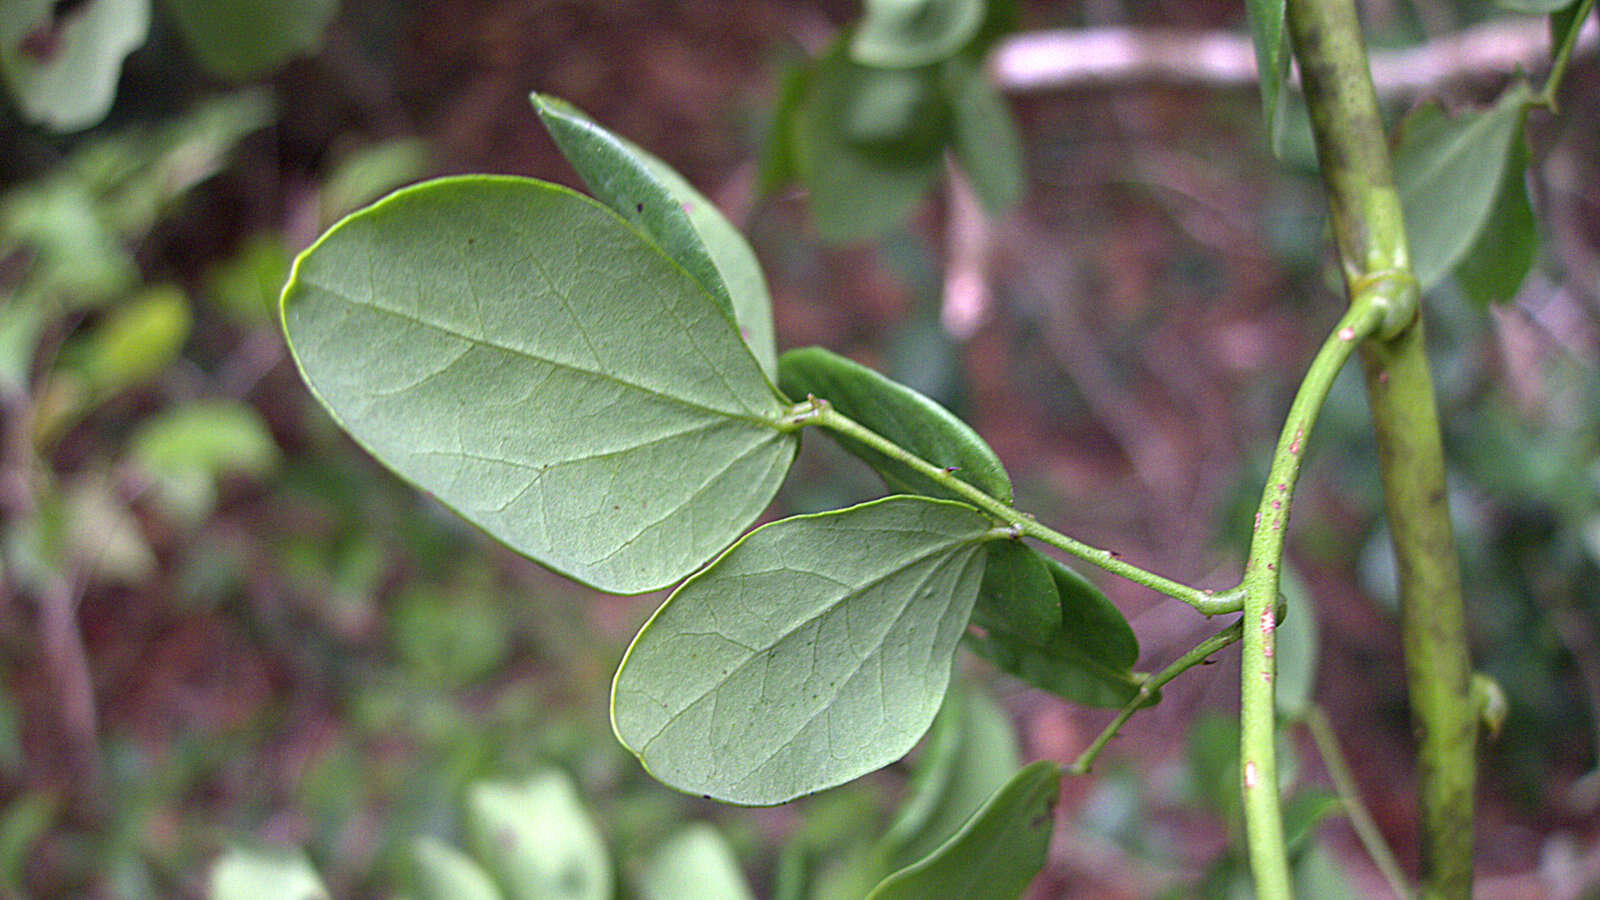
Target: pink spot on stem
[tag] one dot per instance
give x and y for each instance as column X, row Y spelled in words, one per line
column 1251, row 778
column 1347, row 333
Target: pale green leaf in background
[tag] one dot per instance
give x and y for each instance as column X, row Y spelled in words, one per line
column 441, row 872
column 536, row 364
column 665, row 206
column 985, row 756
column 903, row 33
column 187, row 448
column 1297, row 648
column 858, row 192
column 241, row 39
column 997, row 854
column 694, row 864
column 894, row 411
column 815, row 650
column 1494, row 269
column 537, row 839
column 136, row 340
column 63, row 70
column 986, row 144
column 1450, row 171
column 245, row 874
column 371, row 172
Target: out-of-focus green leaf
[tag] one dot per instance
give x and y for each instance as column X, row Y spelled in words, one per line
column 905, row 33
column 779, row 162
column 986, row 756
column 987, row 144
column 1317, row 874
column 1272, row 61
column 447, row 638
column 1088, row 658
column 241, row 39
column 997, row 854
column 898, row 413
column 812, row 652
column 1450, row 170
column 243, row 874
column 136, row 340
column 371, row 172
column 245, row 286
column 1303, row 812
column 63, row 69
column 897, row 114
column 102, row 536
column 857, row 191
column 1494, row 269
column 23, row 821
column 665, row 206
column 542, row 368
column 444, row 873
column 538, row 840
column 1019, row 595
column 1297, row 649
column 694, row 864
column 1535, row 7
column 187, row 448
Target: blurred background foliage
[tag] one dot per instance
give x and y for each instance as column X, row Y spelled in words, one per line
column 223, row 624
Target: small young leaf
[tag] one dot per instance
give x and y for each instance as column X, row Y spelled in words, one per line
column 905, row 33
column 136, row 340
column 900, row 414
column 997, row 854
column 1494, row 269
column 540, row 367
column 986, row 141
column 858, row 191
column 1272, row 60
column 985, row 758
column 445, row 873
column 813, row 651
column 252, row 874
column 537, row 839
column 241, row 39
column 63, row 68
column 1450, row 171
column 661, row 203
column 1019, row 594
column 695, row 863
column 1088, row 659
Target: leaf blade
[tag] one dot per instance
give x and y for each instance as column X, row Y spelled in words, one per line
column 867, row 637
column 550, row 400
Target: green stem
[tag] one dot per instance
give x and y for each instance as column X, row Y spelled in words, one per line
column 1369, row 230
column 1316, row 722
column 1147, row 690
column 1258, row 765
column 1563, row 58
column 817, row 411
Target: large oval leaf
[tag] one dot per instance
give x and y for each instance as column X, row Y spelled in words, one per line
column 997, row 854
column 664, row 205
column 539, row 366
column 1019, row 594
column 815, row 650
column 900, row 414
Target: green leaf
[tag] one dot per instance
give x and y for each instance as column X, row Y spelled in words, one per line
column 905, row 33
column 63, row 70
column 241, row 39
column 987, row 144
column 1303, row 812
column 1450, row 171
column 813, row 651
column 1089, row 657
column 25, row 819
column 1494, row 269
column 779, row 157
column 997, row 854
column 858, row 190
column 371, row 172
column 243, row 874
column 982, row 760
column 665, row 206
column 1297, row 648
column 445, row 873
column 537, row 839
column 898, row 413
column 1272, row 61
column 187, row 448
column 542, row 368
column 135, row 341
column 1535, row 7
column 1019, row 594
column 695, row 864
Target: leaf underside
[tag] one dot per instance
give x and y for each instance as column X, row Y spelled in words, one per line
column 815, row 650
column 540, row 367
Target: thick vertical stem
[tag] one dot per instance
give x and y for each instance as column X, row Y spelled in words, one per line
column 1370, row 232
